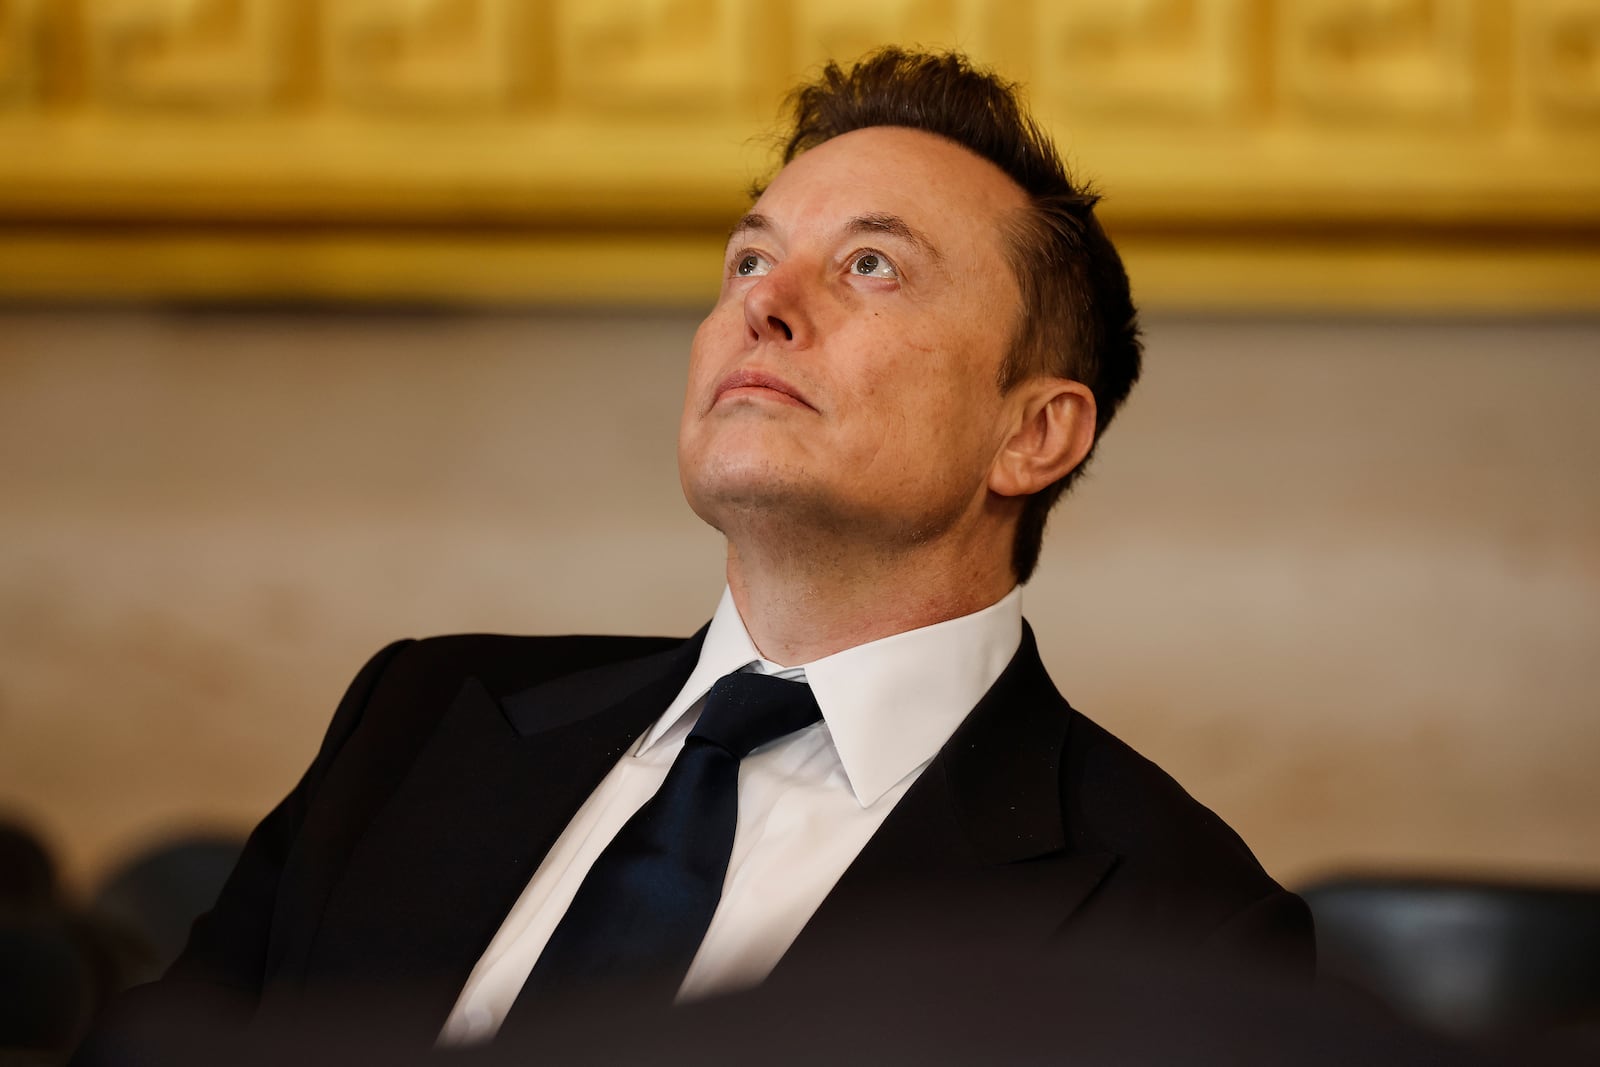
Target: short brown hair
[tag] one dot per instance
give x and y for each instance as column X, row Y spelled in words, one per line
column 1078, row 320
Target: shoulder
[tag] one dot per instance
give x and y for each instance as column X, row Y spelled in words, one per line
column 1181, row 870
column 1123, row 802
column 393, row 709
column 506, row 663
column 405, row 687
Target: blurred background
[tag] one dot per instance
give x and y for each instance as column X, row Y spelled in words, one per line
column 324, row 322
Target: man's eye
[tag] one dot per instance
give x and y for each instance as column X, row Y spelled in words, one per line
column 873, row 265
column 751, row 264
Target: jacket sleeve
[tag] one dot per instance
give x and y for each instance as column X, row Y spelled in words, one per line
column 227, row 945
column 218, row 977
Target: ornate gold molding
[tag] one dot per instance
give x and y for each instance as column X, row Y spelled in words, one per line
column 393, row 149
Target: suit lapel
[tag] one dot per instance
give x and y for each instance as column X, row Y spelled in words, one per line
column 438, row 869
column 977, row 850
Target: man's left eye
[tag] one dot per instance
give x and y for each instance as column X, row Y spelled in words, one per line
column 873, row 265
column 751, row 264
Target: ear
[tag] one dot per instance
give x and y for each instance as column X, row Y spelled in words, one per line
column 1054, row 433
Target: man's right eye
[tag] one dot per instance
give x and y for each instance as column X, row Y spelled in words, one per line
column 750, row 264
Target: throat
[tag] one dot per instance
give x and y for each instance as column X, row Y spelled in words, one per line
column 798, row 611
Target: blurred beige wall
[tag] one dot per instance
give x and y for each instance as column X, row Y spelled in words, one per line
column 1341, row 577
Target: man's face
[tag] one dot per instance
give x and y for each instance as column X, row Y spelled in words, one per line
column 847, row 376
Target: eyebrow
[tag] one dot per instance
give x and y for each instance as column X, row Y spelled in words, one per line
column 895, row 226
column 751, row 222
column 877, row 222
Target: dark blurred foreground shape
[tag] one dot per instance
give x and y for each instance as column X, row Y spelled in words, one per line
column 907, row 992
column 157, row 894
column 1086, row 1013
column 926, row 1001
column 61, row 962
column 1475, row 960
column 1410, row 971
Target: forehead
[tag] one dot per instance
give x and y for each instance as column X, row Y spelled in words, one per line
column 947, row 191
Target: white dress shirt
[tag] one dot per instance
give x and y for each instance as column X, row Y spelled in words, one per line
column 807, row 802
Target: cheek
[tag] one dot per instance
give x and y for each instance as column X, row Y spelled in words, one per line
column 920, row 380
column 944, row 407
column 708, row 351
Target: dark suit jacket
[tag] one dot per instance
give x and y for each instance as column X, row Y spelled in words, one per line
column 453, row 764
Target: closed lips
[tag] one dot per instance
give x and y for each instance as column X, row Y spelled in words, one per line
column 751, row 379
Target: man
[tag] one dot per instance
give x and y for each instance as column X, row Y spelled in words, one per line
column 921, row 332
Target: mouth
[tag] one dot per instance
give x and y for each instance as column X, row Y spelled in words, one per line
column 758, row 385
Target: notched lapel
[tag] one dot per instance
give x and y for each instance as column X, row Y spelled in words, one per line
column 573, row 698
column 440, row 866
column 977, row 855
column 1002, row 767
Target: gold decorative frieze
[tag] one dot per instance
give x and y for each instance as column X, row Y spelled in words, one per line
column 828, row 29
column 19, row 52
column 1560, row 58
column 294, row 141
column 446, row 56
column 1139, row 60
column 650, row 57
column 1383, row 60
column 211, row 55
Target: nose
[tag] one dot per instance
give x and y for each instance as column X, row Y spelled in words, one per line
column 776, row 309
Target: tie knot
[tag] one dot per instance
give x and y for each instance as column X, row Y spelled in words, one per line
column 745, row 710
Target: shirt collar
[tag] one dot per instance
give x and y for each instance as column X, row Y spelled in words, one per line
column 890, row 704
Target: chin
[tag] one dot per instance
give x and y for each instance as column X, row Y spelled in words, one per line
column 727, row 492
column 743, row 463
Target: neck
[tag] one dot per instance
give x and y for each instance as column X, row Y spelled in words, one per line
column 798, row 610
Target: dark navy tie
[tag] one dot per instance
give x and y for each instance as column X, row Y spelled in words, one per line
column 644, row 906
